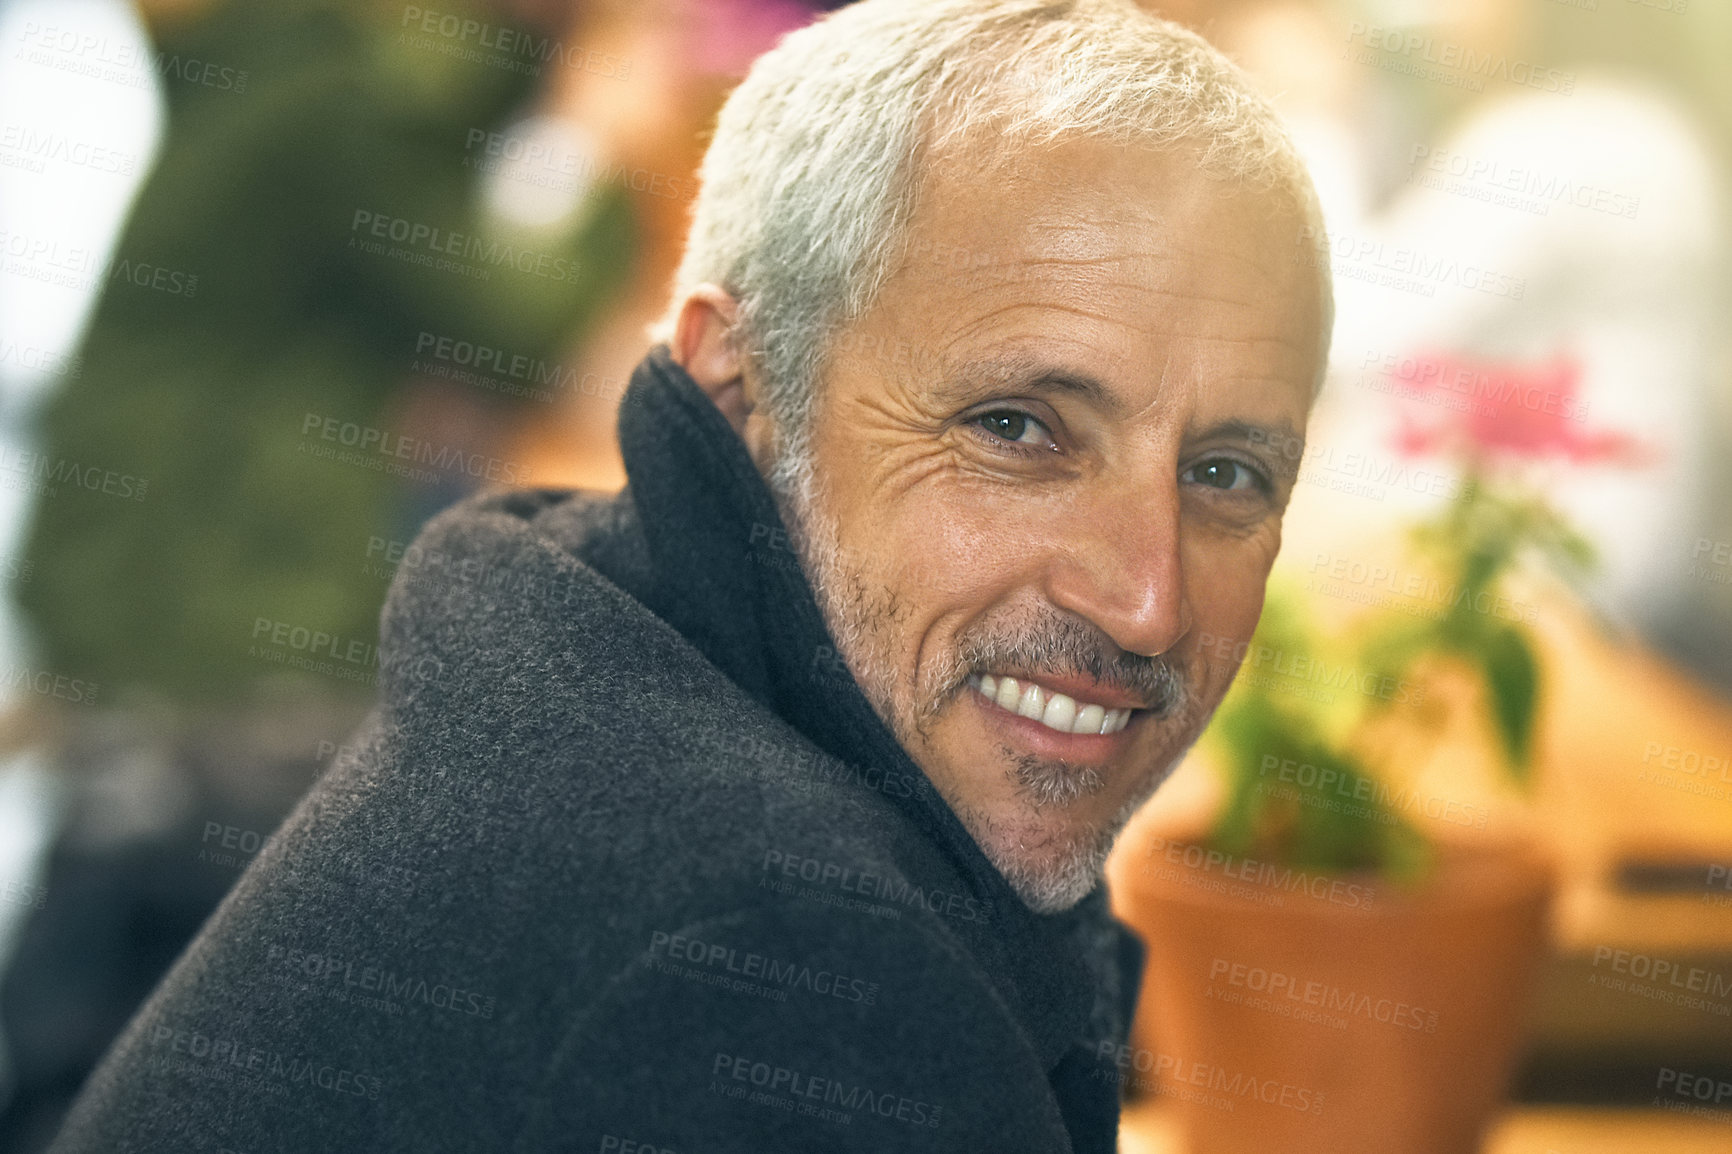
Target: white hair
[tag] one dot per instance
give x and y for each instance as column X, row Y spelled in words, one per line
column 809, row 183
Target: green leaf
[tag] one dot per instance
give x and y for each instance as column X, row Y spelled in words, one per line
column 1572, row 550
column 1512, row 679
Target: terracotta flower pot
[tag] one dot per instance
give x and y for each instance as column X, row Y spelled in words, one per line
column 1284, row 1012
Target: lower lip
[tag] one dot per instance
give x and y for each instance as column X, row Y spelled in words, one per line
column 1050, row 742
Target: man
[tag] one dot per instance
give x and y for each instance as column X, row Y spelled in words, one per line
column 763, row 807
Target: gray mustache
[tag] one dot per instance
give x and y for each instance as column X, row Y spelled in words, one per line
column 1058, row 643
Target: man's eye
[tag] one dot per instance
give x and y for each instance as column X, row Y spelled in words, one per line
column 1224, row 473
column 1014, row 426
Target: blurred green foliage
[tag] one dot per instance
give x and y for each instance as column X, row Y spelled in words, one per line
column 203, row 394
column 1338, row 816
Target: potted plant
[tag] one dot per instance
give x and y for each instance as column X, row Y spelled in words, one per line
column 1341, row 960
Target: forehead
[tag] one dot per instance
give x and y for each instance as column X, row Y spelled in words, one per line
column 1120, row 259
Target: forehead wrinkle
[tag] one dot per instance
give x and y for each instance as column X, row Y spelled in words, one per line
column 1144, row 320
column 1181, row 259
column 1080, row 229
column 1174, row 287
column 1173, row 247
column 970, row 327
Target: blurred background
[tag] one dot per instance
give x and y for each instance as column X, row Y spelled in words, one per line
column 283, row 278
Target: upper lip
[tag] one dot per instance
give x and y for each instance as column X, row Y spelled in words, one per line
column 1078, row 687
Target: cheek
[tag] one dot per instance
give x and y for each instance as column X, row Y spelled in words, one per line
column 944, row 557
column 1225, row 582
column 929, row 535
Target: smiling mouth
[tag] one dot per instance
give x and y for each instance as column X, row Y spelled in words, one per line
column 1057, row 711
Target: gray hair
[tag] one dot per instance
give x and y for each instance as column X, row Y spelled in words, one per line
column 809, row 183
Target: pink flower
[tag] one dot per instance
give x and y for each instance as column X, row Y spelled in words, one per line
column 729, row 34
column 1506, row 409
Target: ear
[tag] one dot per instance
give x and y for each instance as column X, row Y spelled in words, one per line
column 703, row 345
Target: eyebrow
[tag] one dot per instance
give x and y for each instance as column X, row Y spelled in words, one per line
column 1035, row 377
column 1041, row 378
column 1280, row 440
column 1276, row 435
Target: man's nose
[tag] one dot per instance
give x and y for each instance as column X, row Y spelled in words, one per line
column 1118, row 566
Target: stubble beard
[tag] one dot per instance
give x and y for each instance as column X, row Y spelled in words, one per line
column 1060, row 868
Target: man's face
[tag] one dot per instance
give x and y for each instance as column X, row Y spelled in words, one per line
column 1051, row 463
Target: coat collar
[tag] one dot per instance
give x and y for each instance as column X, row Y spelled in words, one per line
column 726, row 579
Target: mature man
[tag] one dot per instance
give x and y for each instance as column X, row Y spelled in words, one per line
column 763, row 806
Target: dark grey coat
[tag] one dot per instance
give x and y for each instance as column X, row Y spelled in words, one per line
column 623, row 862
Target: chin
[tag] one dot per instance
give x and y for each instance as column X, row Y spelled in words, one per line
column 1060, row 868
column 1051, row 887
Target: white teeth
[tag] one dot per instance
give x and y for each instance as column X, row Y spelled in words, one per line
column 1054, row 710
column 1059, row 714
